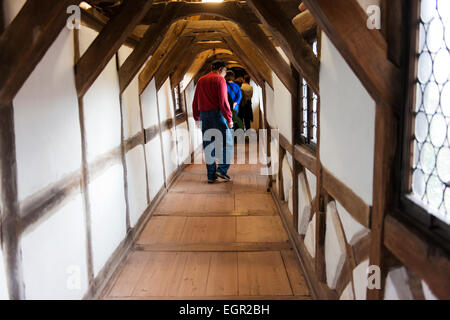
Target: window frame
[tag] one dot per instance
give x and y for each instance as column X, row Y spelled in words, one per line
column 299, row 139
column 407, row 206
column 179, row 101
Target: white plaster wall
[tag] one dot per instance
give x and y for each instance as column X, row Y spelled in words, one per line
column 101, row 106
column 360, row 280
column 270, row 108
column 130, row 100
column 10, row 9
column 154, row 166
column 281, row 108
column 48, row 141
column 347, row 123
column 54, row 255
column 4, row 295
column 108, row 214
column 153, row 147
column 353, row 230
column 335, row 246
column 150, row 105
column 184, row 143
column 166, row 111
column 137, row 183
column 166, row 107
column 397, row 286
column 427, row 292
column 195, row 133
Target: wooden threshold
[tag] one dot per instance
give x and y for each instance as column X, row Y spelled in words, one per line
column 214, row 247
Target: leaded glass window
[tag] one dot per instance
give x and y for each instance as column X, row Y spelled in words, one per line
column 431, row 123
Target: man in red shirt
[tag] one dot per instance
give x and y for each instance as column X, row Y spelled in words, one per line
column 211, row 107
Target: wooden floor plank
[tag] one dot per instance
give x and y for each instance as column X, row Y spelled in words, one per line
column 130, row 274
column 214, row 247
column 199, row 203
column 195, row 275
column 262, row 273
column 223, row 275
column 162, row 275
column 298, row 282
column 213, row 242
column 163, row 230
column 260, row 229
column 209, row 230
column 254, row 202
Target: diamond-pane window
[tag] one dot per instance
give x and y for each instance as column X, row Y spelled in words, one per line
column 431, row 151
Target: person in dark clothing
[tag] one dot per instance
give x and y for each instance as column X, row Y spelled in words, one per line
column 211, row 107
column 246, row 110
column 234, row 99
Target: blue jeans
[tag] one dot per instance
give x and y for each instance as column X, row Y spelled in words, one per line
column 217, row 142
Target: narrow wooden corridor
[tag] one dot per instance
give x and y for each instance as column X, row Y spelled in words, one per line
column 221, row 241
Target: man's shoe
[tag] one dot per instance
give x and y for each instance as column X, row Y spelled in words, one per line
column 223, row 176
column 211, row 181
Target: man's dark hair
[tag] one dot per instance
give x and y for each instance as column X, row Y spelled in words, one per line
column 247, row 78
column 217, row 65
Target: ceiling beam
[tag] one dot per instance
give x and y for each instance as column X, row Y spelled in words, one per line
column 108, row 42
column 364, row 50
column 190, row 57
column 160, row 54
column 26, row 40
column 172, row 58
column 298, row 51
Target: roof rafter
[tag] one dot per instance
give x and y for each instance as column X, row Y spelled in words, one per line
column 21, row 49
column 108, row 42
column 364, row 50
column 299, row 52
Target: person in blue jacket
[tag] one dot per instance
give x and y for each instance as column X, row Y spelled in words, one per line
column 234, row 98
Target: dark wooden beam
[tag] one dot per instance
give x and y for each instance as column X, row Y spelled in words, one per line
column 26, row 40
column 357, row 208
column 94, row 22
column 296, row 48
column 384, row 189
column 112, row 36
column 198, row 8
column 365, row 50
column 426, row 259
column 10, row 215
column 172, row 58
column 268, row 51
column 164, row 47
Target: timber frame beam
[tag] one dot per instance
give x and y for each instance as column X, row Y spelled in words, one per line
column 108, row 43
column 235, row 11
column 345, row 23
column 26, row 40
column 299, row 52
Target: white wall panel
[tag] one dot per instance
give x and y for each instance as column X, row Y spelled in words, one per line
column 48, row 140
column 166, row 108
column 54, row 255
column 108, row 214
column 184, row 145
column 4, row 295
column 150, row 105
column 130, row 101
column 154, row 166
column 170, row 151
column 137, row 183
column 347, row 123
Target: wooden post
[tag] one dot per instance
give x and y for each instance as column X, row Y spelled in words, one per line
column 10, row 204
column 295, row 116
column 85, row 172
column 383, row 185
